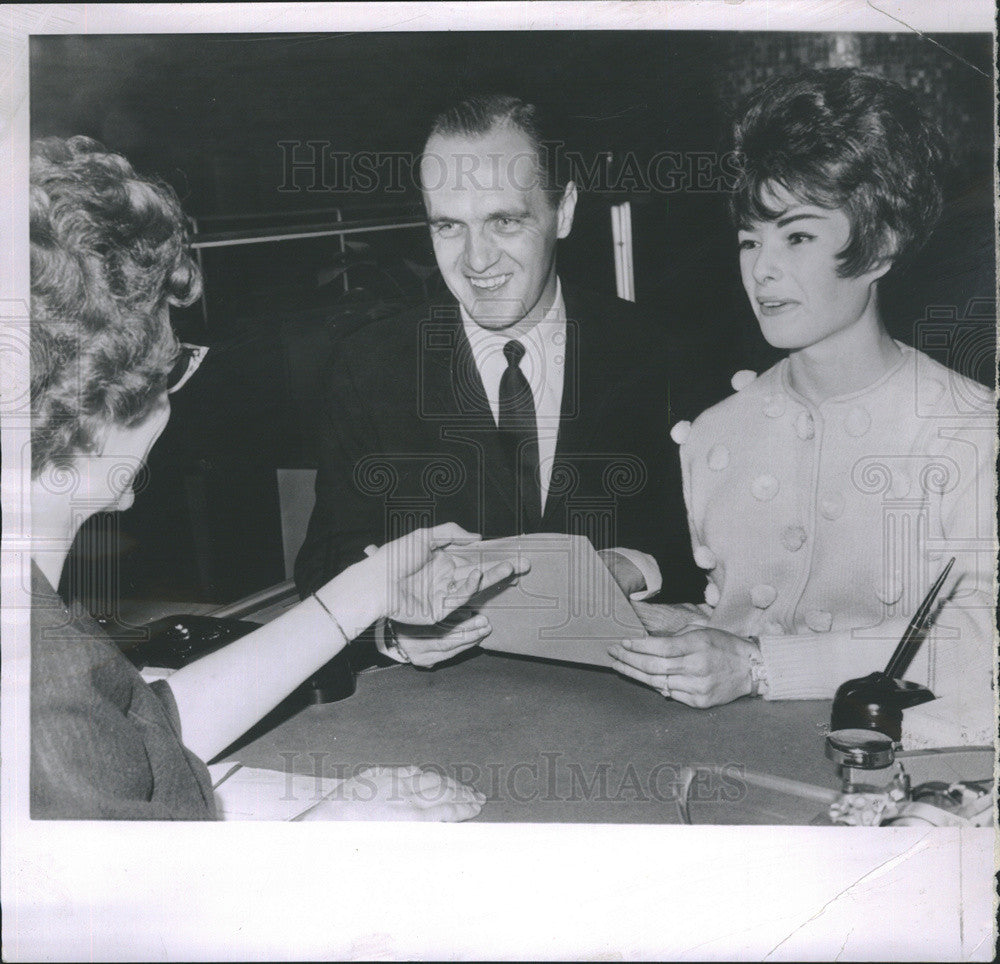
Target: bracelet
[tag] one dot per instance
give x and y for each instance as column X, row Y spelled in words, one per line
column 758, row 671
column 333, row 618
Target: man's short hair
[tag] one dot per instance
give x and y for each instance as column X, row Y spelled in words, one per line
column 841, row 138
column 479, row 114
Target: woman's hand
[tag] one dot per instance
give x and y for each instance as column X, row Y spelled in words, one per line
column 699, row 666
column 426, row 582
column 414, row 580
column 398, row 793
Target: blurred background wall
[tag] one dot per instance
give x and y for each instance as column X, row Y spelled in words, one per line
column 217, row 115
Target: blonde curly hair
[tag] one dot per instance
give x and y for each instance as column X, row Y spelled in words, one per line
column 108, row 253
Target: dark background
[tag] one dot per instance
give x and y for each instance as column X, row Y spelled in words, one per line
column 207, row 113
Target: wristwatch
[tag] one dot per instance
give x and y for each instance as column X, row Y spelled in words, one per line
column 758, row 671
column 391, row 641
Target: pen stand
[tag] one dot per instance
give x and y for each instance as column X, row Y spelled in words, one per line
column 876, row 702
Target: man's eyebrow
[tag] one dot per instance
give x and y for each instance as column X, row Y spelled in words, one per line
column 508, row 213
column 442, row 219
column 789, row 218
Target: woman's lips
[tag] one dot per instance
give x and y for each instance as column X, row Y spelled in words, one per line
column 775, row 306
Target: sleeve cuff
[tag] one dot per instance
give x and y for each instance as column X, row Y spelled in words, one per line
column 812, row 667
column 650, row 570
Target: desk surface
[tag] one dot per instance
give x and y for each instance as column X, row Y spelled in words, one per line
column 550, row 742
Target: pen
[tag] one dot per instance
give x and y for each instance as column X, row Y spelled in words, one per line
column 914, row 635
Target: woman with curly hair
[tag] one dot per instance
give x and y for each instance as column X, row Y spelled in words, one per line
column 108, row 258
column 826, row 495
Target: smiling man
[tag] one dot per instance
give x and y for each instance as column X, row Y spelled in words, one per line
column 493, row 223
column 519, row 405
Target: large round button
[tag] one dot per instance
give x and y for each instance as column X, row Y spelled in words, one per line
column 764, row 488
column 804, row 427
column 819, row 621
column 718, row 457
column 712, row 594
column 762, row 595
column 774, row 405
column 742, row 378
column 680, row 432
column 705, row 558
column 831, row 506
column 793, row 538
column 857, row 422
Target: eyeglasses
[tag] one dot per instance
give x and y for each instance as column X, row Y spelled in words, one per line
column 188, row 359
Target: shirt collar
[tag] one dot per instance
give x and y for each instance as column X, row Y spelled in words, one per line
column 539, row 337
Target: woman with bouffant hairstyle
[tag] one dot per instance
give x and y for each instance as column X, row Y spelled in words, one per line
column 827, row 494
column 848, row 140
column 108, row 258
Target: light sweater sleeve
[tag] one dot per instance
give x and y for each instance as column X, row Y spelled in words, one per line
column 811, row 667
column 682, row 431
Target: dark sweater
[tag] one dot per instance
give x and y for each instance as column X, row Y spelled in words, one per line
column 104, row 744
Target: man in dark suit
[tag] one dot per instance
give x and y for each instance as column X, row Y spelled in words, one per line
column 518, row 406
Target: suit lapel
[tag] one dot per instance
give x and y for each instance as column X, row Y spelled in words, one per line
column 571, row 413
column 459, row 391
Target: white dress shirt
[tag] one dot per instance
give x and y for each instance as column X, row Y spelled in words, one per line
column 544, row 367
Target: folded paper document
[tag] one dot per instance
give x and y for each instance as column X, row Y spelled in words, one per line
column 567, row 607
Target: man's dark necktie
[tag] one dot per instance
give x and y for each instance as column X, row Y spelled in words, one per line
column 519, row 430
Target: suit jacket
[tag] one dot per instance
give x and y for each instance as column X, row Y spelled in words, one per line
column 408, row 440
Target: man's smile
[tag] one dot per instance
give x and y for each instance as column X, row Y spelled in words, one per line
column 491, row 283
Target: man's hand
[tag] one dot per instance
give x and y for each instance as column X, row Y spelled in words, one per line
column 700, row 667
column 665, row 619
column 623, row 571
column 429, row 645
column 398, row 793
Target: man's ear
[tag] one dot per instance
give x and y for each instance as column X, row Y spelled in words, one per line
column 564, row 213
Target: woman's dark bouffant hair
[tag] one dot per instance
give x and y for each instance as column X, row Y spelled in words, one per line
column 108, row 253
column 840, row 138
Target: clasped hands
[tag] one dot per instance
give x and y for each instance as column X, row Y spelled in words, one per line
column 684, row 659
column 428, row 581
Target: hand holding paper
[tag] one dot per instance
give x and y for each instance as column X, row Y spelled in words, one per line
column 566, row 606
